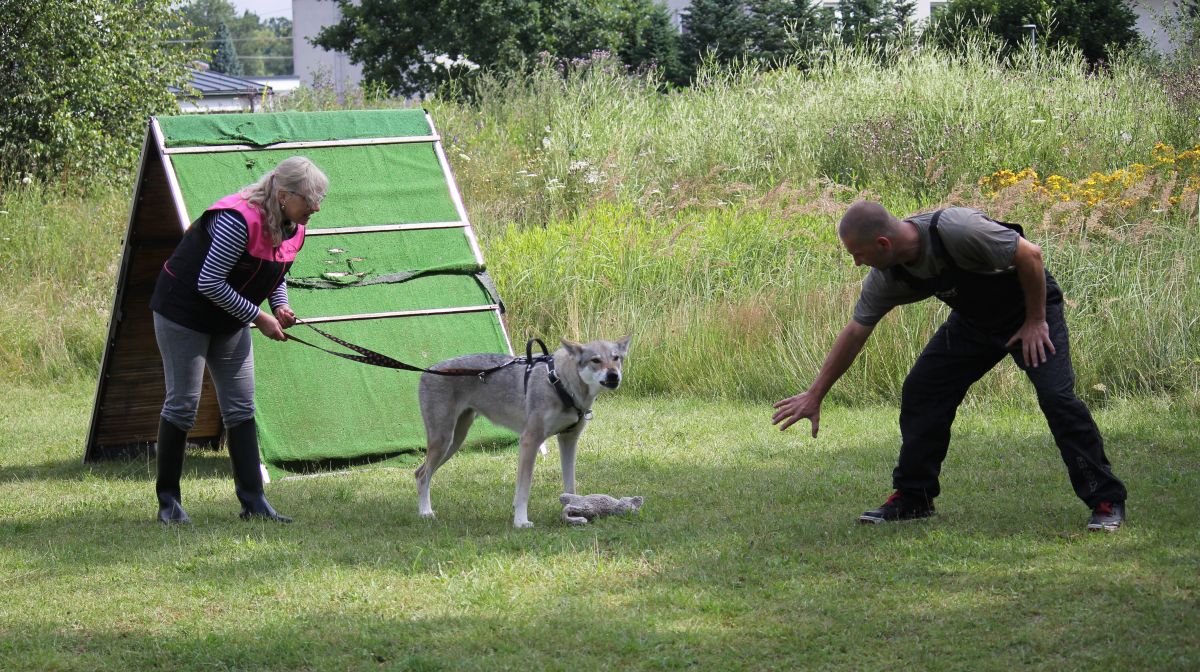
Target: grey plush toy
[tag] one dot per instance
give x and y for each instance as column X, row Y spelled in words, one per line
column 580, row 509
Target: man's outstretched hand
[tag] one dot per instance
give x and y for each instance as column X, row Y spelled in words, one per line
column 793, row 409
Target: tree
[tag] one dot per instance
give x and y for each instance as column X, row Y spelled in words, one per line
column 778, row 29
column 874, row 22
column 80, row 78
column 1095, row 27
column 651, row 39
column 225, row 59
column 414, row 46
column 716, row 29
column 763, row 31
column 262, row 48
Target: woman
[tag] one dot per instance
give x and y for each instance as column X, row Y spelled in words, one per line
column 208, row 293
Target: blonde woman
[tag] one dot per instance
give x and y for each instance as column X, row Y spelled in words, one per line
column 209, row 291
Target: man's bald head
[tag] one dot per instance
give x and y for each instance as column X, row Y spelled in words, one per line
column 866, row 221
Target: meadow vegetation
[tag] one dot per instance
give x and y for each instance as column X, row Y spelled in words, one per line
column 702, row 220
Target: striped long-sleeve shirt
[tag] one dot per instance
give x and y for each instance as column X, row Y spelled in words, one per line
column 229, row 240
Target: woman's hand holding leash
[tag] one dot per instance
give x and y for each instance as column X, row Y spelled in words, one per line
column 286, row 316
column 269, row 326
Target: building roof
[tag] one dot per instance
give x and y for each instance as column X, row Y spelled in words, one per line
column 209, row 83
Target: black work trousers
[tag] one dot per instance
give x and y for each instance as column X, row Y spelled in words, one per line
column 957, row 356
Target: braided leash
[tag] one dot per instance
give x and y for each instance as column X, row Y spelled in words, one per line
column 373, row 358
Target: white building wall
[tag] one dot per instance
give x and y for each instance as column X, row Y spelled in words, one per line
column 1151, row 15
column 308, row 18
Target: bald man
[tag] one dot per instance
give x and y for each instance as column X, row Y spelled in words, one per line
column 1003, row 303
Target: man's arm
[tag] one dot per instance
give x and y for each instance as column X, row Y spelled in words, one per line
column 807, row 404
column 1034, row 334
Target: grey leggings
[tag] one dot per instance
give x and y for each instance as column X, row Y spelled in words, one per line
column 230, row 361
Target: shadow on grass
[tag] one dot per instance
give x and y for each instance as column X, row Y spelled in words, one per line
column 406, row 457
column 206, row 462
column 200, row 462
column 750, row 559
column 706, row 598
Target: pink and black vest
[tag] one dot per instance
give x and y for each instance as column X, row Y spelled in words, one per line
column 257, row 273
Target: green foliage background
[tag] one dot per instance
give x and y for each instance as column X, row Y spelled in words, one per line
column 80, row 78
column 1097, row 28
column 264, row 47
column 701, row 219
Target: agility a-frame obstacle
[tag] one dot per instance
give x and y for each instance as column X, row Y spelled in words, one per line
column 389, row 263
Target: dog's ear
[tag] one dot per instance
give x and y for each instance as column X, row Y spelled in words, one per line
column 572, row 347
column 636, row 502
column 623, row 343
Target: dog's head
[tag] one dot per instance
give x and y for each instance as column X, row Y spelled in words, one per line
column 599, row 362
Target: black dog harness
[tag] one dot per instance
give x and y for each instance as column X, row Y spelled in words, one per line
column 563, row 394
column 373, row 358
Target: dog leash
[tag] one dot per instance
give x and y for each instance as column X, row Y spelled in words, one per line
column 367, row 356
column 373, row 358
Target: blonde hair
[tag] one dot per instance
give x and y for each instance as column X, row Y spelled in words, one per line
column 297, row 175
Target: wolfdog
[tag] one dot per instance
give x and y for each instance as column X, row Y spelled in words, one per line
column 528, row 397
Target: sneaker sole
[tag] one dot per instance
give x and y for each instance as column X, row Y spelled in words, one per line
column 1103, row 528
column 873, row 520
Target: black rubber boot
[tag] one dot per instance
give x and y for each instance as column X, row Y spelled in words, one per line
column 247, row 476
column 169, row 450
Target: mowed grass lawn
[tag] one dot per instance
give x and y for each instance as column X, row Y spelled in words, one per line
column 746, row 555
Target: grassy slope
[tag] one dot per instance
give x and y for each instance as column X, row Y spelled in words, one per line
column 746, row 555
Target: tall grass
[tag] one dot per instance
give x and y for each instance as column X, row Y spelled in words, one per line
column 539, row 148
column 738, row 302
column 702, row 219
column 58, row 263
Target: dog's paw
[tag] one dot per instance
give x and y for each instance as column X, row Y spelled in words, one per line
column 429, row 515
column 522, row 524
column 574, row 520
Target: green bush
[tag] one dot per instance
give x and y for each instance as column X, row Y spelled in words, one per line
column 81, row 78
column 1097, row 28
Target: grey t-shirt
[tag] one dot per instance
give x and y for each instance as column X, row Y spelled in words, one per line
column 975, row 242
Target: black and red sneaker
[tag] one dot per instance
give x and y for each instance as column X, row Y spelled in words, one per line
column 1107, row 517
column 899, row 507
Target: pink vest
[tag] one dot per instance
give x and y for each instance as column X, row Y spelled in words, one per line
column 259, row 242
